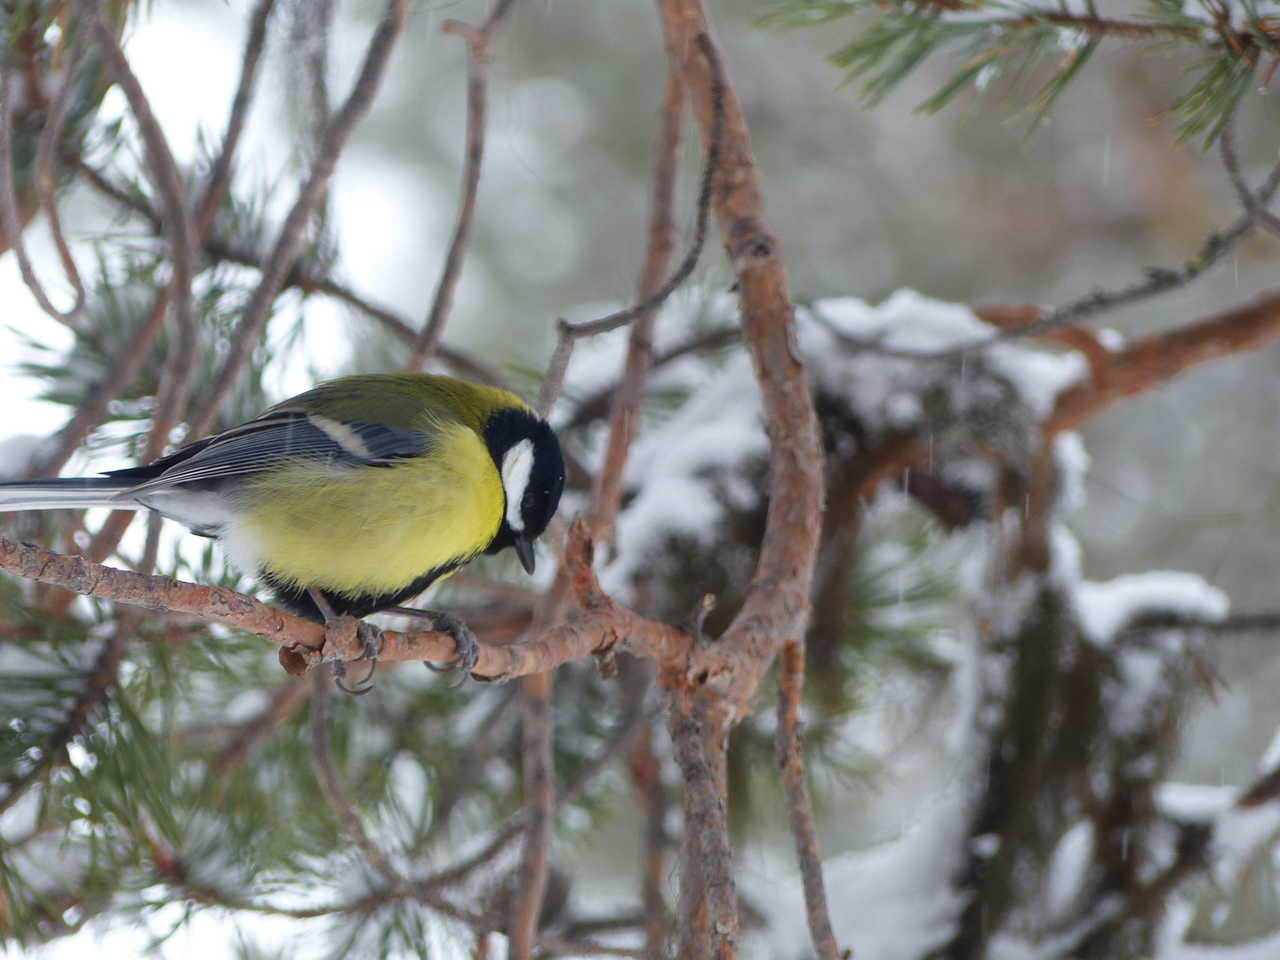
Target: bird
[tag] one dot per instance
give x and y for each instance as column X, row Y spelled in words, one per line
column 353, row 497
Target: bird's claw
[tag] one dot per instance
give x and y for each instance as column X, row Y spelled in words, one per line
column 466, row 647
column 371, row 640
column 361, row 688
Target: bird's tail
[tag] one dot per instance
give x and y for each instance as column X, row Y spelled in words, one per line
column 65, row 493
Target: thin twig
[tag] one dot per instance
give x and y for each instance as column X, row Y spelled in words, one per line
column 1158, row 280
column 46, row 179
column 394, row 324
column 473, row 757
column 292, row 234
column 426, row 342
column 98, row 684
column 175, row 873
column 287, row 699
column 649, row 791
column 322, row 758
column 1109, row 26
column 11, row 220
column 1231, row 161
column 804, row 833
column 1240, row 623
column 539, row 799
column 624, row 417
column 570, row 332
column 221, row 249
column 1157, row 359
column 310, row 31
column 584, row 948
column 93, row 410
column 621, row 741
column 174, row 392
column 539, row 778
column 647, row 774
column 598, row 405
column 220, row 172
column 176, row 224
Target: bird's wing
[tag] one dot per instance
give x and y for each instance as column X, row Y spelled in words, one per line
column 269, row 441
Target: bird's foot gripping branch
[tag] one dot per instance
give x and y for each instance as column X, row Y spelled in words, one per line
column 599, row 626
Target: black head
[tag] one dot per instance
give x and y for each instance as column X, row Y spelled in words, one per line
column 527, row 453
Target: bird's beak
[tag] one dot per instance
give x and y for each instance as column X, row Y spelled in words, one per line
column 524, row 550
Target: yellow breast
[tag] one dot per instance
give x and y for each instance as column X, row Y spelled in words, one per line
column 376, row 529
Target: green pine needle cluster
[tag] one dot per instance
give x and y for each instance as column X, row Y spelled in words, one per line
column 1030, row 53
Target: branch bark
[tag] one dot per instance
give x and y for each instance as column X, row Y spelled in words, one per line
column 776, row 607
column 1153, row 360
column 804, row 832
column 600, row 624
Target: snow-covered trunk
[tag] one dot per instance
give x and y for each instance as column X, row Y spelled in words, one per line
column 1066, row 853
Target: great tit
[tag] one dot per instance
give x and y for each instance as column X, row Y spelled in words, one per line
column 356, row 495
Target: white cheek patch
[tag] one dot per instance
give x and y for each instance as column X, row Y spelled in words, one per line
column 517, row 464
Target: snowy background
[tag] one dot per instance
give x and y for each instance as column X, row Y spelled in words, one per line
column 959, row 206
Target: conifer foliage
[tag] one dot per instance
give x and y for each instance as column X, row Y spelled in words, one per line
column 798, row 532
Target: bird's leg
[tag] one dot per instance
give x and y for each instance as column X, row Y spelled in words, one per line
column 370, row 638
column 464, row 640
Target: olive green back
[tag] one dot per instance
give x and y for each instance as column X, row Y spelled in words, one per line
column 404, row 400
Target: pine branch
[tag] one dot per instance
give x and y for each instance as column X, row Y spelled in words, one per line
column 601, row 623
column 97, row 686
column 225, row 250
column 1154, row 360
column 996, row 39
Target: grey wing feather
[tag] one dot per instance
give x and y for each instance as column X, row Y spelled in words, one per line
column 289, row 435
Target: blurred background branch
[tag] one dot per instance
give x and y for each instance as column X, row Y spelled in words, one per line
column 999, row 731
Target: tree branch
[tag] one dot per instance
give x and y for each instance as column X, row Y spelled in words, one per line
column 624, row 416
column 1156, row 359
column 12, row 217
column 428, row 339
column 1231, row 162
column 600, row 625
column 646, row 775
column 568, row 333
column 220, row 173
column 708, row 894
column 289, row 242
column 46, row 180
column 804, row 833
column 776, row 605
column 331, row 789
column 175, row 223
column 539, row 801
